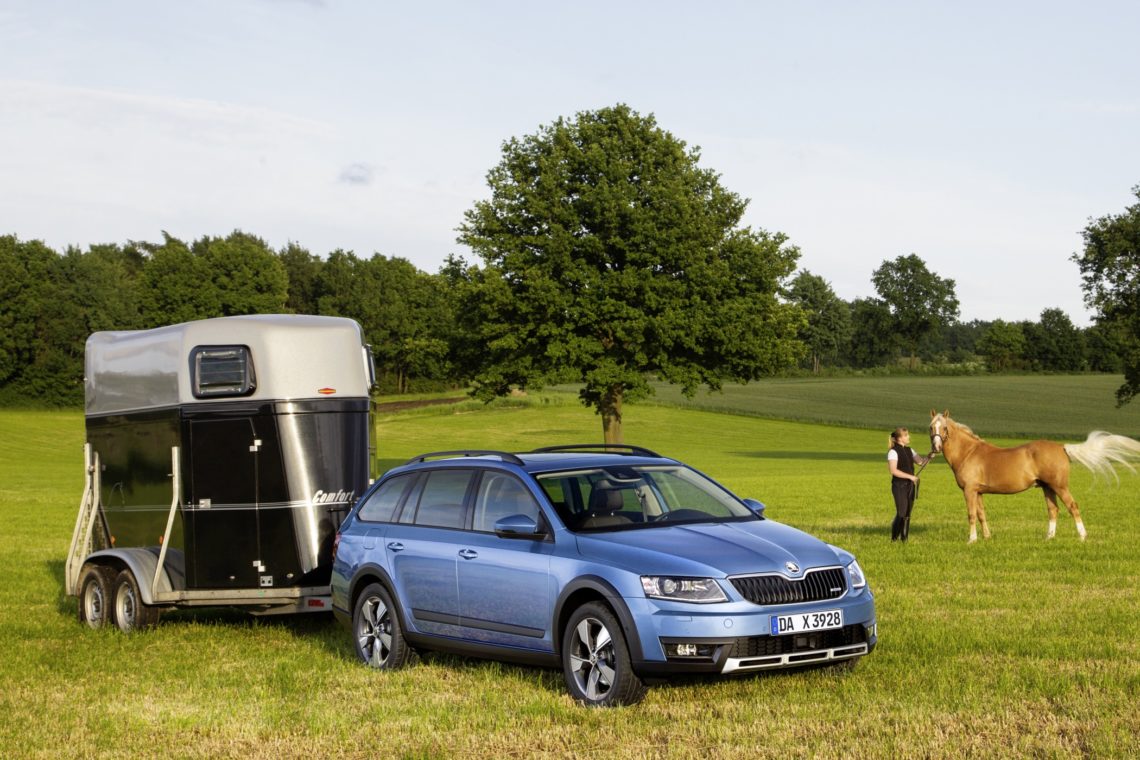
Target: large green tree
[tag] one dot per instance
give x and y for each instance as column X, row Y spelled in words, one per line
column 1110, row 274
column 609, row 255
column 920, row 301
column 828, row 325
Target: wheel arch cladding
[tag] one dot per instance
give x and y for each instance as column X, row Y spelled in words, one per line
column 588, row 589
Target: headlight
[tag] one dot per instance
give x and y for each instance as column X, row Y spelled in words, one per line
column 701, row 590
column 855, row 573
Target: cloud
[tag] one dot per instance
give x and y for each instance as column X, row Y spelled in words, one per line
column 357, row 174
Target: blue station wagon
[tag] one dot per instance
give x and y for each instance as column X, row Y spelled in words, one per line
column 613, row 563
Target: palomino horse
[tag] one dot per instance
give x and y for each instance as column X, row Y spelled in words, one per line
column 982, row 468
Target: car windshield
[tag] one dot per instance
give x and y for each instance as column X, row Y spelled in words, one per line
column 620, row 498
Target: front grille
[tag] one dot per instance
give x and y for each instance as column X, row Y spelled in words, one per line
column 771, row 646
column 815, row 586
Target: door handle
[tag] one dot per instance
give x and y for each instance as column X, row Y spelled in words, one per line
column 468, row 553
column 396, row 546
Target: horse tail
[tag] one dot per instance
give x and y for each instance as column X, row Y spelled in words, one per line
column 1101, row 450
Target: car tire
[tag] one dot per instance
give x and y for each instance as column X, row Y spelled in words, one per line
column 595, row 659
column 95, row 583
column 378, row 635
column 129, row 611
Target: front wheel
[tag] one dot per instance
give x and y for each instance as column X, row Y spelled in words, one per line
column 130, row 612
column 378, row 636
column 595, row 659
column 95, row 584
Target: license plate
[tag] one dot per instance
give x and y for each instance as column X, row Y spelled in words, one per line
column 806, row 621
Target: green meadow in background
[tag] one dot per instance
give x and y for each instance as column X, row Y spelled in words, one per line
column 1011, row 647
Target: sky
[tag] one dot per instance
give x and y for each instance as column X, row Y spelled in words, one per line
column 981, row 136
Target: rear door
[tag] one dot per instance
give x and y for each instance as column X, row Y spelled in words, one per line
column 422, row 549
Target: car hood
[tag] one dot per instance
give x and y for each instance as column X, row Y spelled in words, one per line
column 709, row 549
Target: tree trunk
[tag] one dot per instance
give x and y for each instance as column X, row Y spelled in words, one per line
column 610, row 409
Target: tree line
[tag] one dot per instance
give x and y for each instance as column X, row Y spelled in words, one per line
column 50, row 302
column 606, row 255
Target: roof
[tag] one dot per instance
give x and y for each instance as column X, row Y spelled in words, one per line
column 294, row 356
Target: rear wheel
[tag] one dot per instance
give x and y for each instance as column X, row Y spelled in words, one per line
column 378, row 636
column 130, row 612
column 595, row 659
column 95, row 595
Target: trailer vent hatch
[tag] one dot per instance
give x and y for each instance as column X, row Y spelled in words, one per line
column 222, row 371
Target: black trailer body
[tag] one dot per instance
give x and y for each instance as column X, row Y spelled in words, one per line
column 222, row 455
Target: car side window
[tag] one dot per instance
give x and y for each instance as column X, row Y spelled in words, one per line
column 501, row 495
column 442, row 498
column 381, row 504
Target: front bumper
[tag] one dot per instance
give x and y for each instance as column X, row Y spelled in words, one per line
column 736, row 637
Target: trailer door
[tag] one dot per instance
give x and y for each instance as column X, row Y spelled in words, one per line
column 224, row 551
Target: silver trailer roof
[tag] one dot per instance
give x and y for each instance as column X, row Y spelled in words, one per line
column 294, row 357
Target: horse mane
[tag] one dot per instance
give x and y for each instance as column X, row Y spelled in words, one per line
column 965, row 428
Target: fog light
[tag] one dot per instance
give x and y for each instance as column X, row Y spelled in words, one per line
column 691, row 651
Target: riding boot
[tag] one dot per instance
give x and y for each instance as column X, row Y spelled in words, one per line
column 897, row 528
column 905, row 528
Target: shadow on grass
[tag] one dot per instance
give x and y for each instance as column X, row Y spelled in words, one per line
column 304, row 624
column 321, row 629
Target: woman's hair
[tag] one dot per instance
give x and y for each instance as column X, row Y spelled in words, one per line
column 895, row 435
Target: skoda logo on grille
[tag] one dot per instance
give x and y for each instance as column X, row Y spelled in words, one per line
column 793, row 568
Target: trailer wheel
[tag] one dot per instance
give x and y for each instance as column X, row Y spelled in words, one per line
column 95, row 595
column 379, row 637
column 129, row 611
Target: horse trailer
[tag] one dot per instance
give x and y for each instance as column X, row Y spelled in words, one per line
column 221, row 456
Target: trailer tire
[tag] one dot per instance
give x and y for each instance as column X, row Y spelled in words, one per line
column 95, row 583
column 130, row 613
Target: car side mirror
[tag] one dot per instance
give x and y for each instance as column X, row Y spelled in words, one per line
column 755, row 506
column 519, row 526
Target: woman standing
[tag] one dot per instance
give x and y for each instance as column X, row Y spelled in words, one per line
column 904, row 483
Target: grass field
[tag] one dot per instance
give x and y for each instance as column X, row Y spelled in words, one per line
column 1049, row 406
column 1011, row 647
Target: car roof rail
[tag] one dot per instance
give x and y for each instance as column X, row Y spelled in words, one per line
column 505, row 456
column 608, row 448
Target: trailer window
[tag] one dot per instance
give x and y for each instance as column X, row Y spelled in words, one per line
column 222, row 371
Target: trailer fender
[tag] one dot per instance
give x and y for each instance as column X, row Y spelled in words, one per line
column 142, row 563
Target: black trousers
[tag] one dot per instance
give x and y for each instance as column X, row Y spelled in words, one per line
column 903, row 491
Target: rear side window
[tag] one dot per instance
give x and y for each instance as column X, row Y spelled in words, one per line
column 381, row 505
column 219, row 371
column 442, row 498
